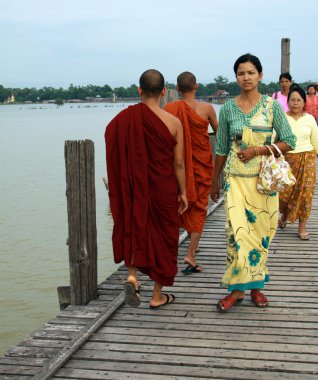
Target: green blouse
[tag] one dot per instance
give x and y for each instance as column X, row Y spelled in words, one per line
column 238, row 131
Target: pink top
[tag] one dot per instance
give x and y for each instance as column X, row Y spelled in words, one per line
column 282, row 100
column 311, row 106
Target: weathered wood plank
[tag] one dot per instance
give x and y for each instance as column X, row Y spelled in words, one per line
column 194, row 334
column 95, row 368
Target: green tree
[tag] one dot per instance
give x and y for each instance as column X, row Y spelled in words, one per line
column 59, row 102
column 221, row 82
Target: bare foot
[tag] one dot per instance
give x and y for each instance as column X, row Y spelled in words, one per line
column 133, row 280
column 282, row 223
column 163, row 300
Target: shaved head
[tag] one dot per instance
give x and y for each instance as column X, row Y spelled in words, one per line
column 152, row 82
column 186, row 81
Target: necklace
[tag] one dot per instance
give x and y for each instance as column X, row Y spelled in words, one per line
column 247, row 108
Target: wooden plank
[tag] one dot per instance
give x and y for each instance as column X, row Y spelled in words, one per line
column 177, row 359
column 95, row 371
column 89, row 374
column 259, row 331
column 266, row 348
column 64, row 355
column 194, row 334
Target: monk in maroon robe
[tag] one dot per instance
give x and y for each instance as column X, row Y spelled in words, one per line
column 145, row 167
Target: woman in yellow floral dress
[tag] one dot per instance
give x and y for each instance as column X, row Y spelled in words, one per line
column 295, row 202
column 246, row 124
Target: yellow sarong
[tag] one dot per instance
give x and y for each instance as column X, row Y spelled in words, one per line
column 251, row 221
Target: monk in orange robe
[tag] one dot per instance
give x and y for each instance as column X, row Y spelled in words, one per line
column 146, row 178
column 195, row 117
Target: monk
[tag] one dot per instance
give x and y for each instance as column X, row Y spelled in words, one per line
column 146, row 177
column 195, row 117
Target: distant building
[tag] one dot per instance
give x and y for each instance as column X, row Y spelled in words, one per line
column 220, row 94
column 97, row 99
column 74, row 101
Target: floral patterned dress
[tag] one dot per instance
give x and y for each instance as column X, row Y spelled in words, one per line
column 251, row 217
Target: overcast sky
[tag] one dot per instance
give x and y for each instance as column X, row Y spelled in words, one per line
column 56, row 43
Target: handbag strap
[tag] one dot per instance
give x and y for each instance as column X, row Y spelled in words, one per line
column 277, row 149
column 269, row 149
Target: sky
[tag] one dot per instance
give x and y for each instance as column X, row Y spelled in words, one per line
column 62, row 42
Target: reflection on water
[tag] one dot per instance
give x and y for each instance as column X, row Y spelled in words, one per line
column 33, row 218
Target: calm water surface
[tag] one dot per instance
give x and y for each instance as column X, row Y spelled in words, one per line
column 33, row 216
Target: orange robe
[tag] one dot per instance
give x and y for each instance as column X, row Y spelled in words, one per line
column 198, row 164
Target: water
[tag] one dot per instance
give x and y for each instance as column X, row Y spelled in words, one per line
column 33, row 216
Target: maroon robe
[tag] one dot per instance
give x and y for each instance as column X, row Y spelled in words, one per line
column 143, row 192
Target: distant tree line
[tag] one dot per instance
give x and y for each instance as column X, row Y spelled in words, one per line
column 83, row 92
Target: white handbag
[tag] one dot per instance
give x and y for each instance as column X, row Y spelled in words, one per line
column 275, row 173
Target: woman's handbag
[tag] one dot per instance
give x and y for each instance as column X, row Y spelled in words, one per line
column 275, row 173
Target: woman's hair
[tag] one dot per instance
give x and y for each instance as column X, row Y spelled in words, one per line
column 311, row 85
column 286, row 76
column 300, row 91
column 293, row 85
column 248, row 58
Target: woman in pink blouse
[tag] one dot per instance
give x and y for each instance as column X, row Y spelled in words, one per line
column 311, row 106
column 285, row 81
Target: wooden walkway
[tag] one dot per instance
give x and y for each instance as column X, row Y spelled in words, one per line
column 188, row 339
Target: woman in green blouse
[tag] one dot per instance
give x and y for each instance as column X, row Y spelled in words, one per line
column 246, row 125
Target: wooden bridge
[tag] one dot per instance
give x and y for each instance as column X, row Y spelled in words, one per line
column 188, row 339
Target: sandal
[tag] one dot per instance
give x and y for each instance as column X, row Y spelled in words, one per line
column 227, row 302
column 191, row 269
column 132, row 295
column 303, row 235
column 282, row 223
column 169, row 299
column 258, row 298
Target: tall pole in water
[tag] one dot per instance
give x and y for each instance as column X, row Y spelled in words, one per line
column 285, row 58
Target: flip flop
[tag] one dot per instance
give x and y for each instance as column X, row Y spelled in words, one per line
column 282, row 224
column 132, row 295
column 304, row 236
column 168, row 300
column 191, row 269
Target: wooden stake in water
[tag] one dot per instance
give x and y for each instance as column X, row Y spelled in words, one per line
column 81, row 210
column 285, row 59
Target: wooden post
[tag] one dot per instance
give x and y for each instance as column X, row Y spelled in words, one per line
column 81, row 209
column 285, row 59
column 170, row 96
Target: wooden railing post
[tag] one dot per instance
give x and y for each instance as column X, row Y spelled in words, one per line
column 81, row 209
column 285, row 52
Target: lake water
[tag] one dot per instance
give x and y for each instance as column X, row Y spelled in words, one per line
column 33, row 213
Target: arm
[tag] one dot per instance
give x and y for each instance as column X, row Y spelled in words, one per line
column 215, row 189
column 179, row 168
column 314, row 135
column 251, row 152
column 222, row 151
column 213, row 119
column 286, row 138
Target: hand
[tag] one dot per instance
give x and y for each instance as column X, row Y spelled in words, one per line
column 215, row 191
column 246, row 154
column 183, row 203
